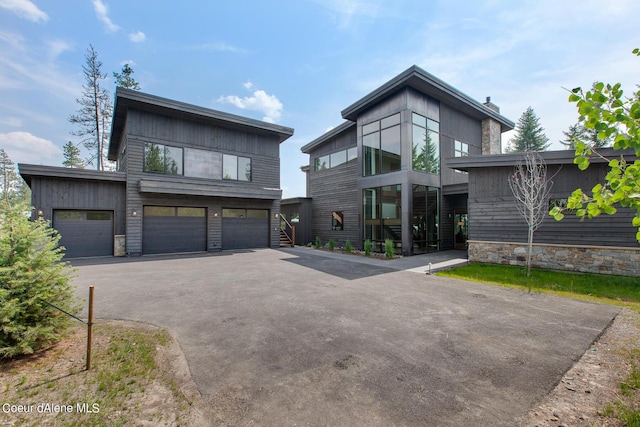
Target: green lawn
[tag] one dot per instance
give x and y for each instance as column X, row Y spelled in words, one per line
column 613, row 289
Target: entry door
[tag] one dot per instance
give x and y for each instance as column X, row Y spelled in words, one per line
column 460, row 227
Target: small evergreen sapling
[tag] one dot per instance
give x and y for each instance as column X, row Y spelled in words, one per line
column 31, row 272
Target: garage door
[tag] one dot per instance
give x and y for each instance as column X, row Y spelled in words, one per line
column 85, row 233
column 170, row 229
column 245, row 228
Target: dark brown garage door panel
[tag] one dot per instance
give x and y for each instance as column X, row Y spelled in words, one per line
column 245, row 228
column 170, row 229
column 84, row 233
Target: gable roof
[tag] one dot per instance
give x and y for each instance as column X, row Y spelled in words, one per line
column 127, row 98
column 417, row 78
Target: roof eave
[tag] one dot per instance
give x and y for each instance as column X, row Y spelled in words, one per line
column 417, row 78
column 127, row 98
column 338, row 130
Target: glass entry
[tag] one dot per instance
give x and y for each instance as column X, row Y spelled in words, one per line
column 425, row 219
column 460, row 228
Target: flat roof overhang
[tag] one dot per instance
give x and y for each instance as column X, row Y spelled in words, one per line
column 27, row 171
column 556, row 157
column 126, row 99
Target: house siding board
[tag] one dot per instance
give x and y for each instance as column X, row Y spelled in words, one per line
column 49, row 194
column 327, row 199
column 341, row 142
column 185, row 133
column 455, row 125
column 493, row 213
column 302, row 207
column 263, row 150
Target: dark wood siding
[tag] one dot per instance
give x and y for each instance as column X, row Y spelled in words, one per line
column 493, row 214
column 457, row 126
column 302, row 207
column 48, row 193
column 263, row 150
column 336, row 189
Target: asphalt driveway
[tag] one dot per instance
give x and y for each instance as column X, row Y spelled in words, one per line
column 290, row 337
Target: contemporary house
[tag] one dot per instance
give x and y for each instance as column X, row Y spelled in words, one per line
column 498, row 233
column 188, row 179
column 383, row 173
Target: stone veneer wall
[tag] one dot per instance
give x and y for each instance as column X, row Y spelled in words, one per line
column 585, row 259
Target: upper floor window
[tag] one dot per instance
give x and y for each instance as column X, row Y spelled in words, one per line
column 162, row 159
column 381, row 146
column 335, row 159
column 425, row 148
column 460, row 149
column 236, row 167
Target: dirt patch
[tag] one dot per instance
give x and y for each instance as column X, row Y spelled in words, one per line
column 581, row 396
column 53, row 387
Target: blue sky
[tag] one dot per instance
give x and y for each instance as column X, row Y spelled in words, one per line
column 298, row 63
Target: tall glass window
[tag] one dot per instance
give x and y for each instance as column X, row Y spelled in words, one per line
column 425, row 147
column 383, row 215
column 381, row 146
column 425, row 224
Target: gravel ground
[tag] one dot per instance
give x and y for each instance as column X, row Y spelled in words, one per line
column 593, row 382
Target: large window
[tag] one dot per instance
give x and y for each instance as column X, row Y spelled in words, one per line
column 202, row 163
column 383, row 215
column 381, row 146
column 236, row 167
column 335, row 159
column 162, row 159
column 425, row 148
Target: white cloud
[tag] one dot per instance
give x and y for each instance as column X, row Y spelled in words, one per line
column 25, row 9
column 23, row 147
column 57, row 47
column 102, row 12
column 219, row 47
column 11, row 121
column 269, row 105
column 137, row 37
column 345, row 10
column 28, row 68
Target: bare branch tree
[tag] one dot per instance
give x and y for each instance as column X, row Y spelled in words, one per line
column 94, row 116
column 531, row 186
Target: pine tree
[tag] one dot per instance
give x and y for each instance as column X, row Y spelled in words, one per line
column 529, row 134
column 32, row 276
column 94, row 116
column 13, row 187
column 579, row 133
column 125, row 79
column 71, row 155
